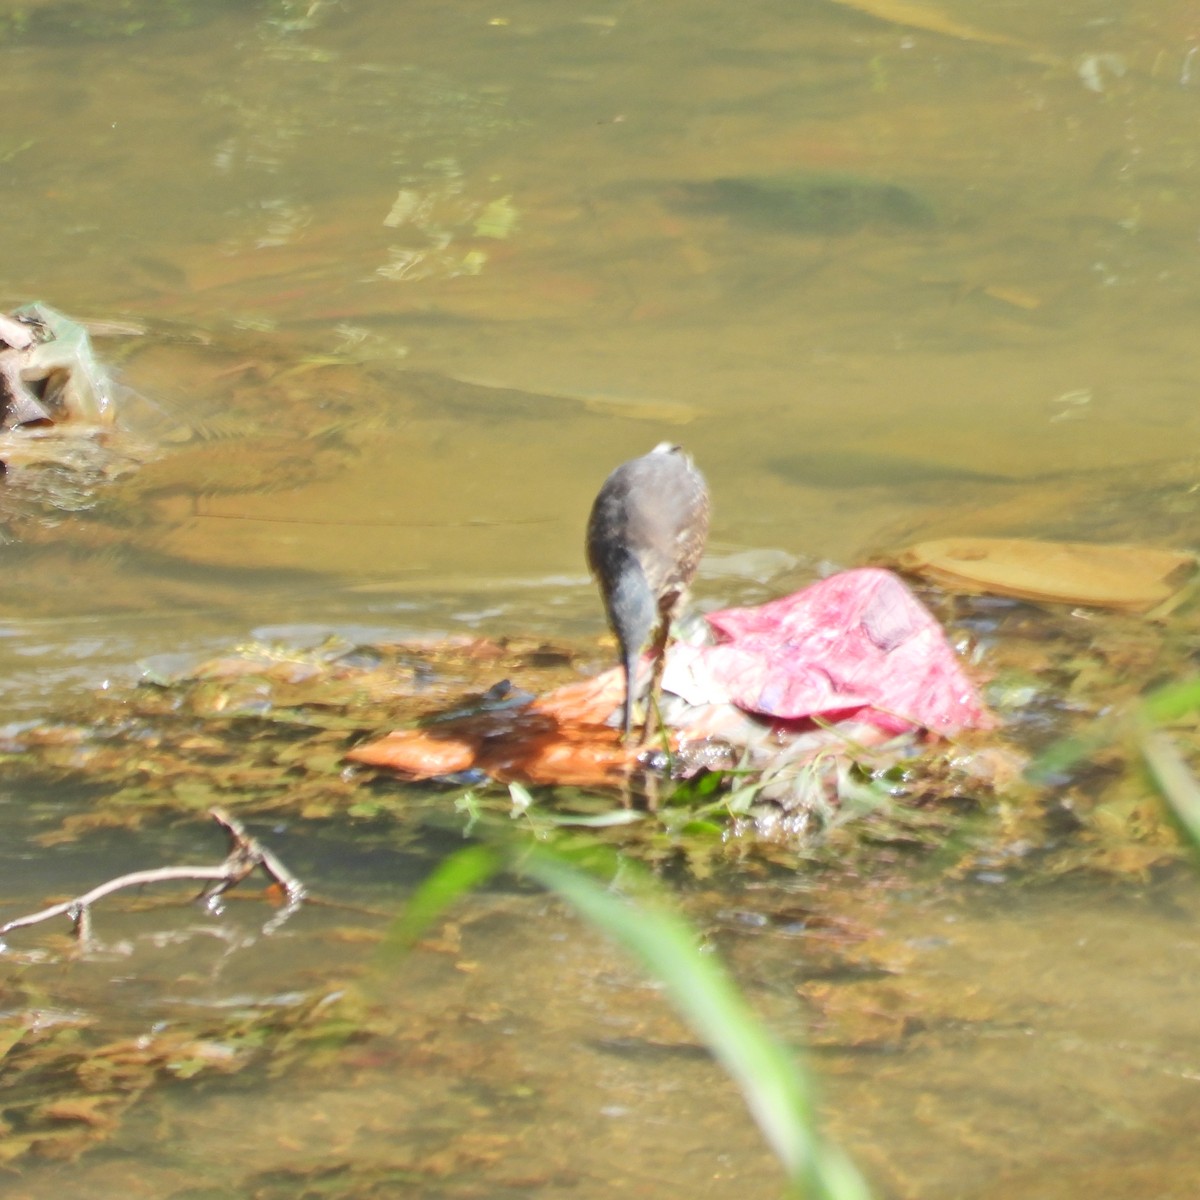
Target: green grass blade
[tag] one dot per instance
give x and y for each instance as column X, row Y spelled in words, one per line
column 1067, row 753
column 1173, row 701
column 775, row 1087
column 1169, row 703
column 604, row 820
column 1175, row 781
column 453, row 878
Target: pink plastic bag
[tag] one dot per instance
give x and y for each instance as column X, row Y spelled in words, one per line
column 858, row 644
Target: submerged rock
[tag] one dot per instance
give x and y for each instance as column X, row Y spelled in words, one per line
column 60, row 445
column 808, row 202
column 48, row 373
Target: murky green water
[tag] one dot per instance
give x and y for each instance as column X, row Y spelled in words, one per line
column 411, row 279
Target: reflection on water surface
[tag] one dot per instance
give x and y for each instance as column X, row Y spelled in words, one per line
column 411, row 281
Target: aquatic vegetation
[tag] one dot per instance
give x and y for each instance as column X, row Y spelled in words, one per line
column 64, row 1090
column 272, row 730
column 268, row 731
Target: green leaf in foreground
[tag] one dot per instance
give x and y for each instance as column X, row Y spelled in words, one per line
column 454, row 877
column 776, row 1088
column 1174, row 779
column 1173, row 701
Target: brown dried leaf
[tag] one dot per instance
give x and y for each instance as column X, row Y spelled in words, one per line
column 1125, row 578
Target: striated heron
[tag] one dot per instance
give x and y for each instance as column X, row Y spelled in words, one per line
column 645, row 537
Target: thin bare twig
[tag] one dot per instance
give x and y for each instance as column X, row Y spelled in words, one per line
column 245, row 855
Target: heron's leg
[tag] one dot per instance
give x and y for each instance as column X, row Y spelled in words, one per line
column 658, row 649
column 631, row 663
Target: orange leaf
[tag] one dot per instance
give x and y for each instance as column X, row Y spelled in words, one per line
column 418, row 753
column 561, row 738
column 590, row 701
column 578, row 755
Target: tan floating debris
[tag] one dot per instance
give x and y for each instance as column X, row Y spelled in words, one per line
column 1126, row 578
